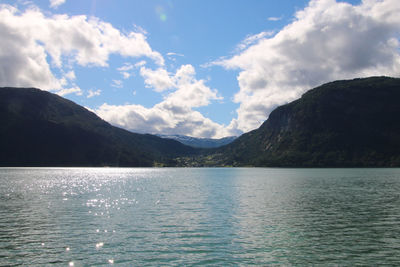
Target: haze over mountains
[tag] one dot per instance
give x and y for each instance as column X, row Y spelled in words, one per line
column 200, row 142
column 352, row 123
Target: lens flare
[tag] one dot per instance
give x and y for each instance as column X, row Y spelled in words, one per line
column 160, row 11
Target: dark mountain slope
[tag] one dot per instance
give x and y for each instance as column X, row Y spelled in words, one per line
column 339, row 124
column 42, row 129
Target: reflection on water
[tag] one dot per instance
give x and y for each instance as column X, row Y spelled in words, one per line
column 139, row 217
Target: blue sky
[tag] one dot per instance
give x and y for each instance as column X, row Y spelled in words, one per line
column 199, row 68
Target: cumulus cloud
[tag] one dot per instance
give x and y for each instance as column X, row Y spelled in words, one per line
column 158, row 79
column 35, row 46
column 175, row 114
column 29, row 37
column 56, row 3
column 328, row 40
column 161, row 80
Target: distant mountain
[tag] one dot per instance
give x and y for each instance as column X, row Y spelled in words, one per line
column 200, row 142
column 42, row 129
column 354, row 123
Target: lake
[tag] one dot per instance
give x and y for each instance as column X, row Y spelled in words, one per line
column 195, row 216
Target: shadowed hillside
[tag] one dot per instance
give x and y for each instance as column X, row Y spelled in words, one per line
column 353, row 123
column 339, row 124
column 42, row 129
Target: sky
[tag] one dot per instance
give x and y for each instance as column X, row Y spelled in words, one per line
column 198, row 68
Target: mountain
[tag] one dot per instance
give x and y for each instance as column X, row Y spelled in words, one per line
column 353, row 123
column 43, row 129
column 200, row 142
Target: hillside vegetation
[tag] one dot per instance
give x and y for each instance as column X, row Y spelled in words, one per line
column 353, row 123
column 43, row 129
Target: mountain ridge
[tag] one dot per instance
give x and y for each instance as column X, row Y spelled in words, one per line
column 43, row 129
column 348, row 123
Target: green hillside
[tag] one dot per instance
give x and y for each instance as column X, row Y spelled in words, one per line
column 354, row 123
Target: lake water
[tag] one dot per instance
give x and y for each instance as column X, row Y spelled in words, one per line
column 216, row 217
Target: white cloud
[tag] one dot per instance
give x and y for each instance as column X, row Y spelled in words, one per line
column 124, row 70
column 140, row 64
column 70, row 75
column 93, row 93
column 126, row 75
column 275, row 18
column 252, row 39
column 158, row 79
column 29, row 36
column 56, row 3
column 126, row 67
column 159, row 119
column 328, row 40
column 74, row 90
column 173, row 54
column 139, row 29
column 175, row 114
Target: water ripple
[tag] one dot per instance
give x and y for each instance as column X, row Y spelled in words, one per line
column 204, row 217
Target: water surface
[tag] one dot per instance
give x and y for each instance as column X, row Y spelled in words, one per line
column 216, row 217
